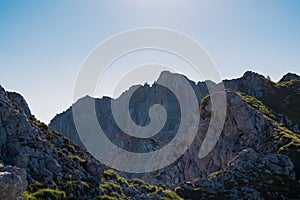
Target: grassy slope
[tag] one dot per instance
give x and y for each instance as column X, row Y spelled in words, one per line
column 111, row 183
column 290, row 141
column 285, row 99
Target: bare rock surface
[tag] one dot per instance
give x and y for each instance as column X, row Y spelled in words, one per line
column 53, row 166
column 289, row 77
column 256, row 156
column 253, row 127
column 12, row 182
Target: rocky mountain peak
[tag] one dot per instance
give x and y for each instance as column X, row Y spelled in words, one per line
column 252, row 77
column 250, row 83
column 20, row 103
column 3, row 97
column 289, row 77
column 54, row 167
column 16, row 100
column 167, row 76
column 251, row 74
column 256, row 156
column 249, row 124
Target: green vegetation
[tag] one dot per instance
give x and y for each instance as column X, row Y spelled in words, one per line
column 74, row 183
column 137, row 181
column 282, row 97
column 216, row 173
column 110, row 173
column 114, row 175
column 112, row 190
column 170, row 195
column 281, row 133
column 109, row 187
column 39, row 191
column 285, row 83
column 290, row 146
column 50, row 134
column 285, row 100
column 205, row 100
column 257, row 105
column 153, row 189
column 49, row 193
column 28, row 196
column 40, row 124
column 267, row 183
column 288, row 141
column 73, row 155
column 85, row 184
column 112, row 185
column 106, row 197
column 76, row 158
column 122, row 180
column 290, row 138
column 44, row 194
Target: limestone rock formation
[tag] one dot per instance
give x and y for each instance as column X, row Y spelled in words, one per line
column 289, row 77
column 253, row 121
column 256, row 156
column 51, row 164
column 281, row 97
column 12, row 182
column 249, row 175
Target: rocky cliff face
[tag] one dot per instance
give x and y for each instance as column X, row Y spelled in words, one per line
column 249, row 175
column 282, row 97
column 256, row 156
column 290, row 77
column 55, row 168
column 259, row 138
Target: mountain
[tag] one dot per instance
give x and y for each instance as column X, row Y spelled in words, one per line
column 41, row 163
column 282, row 98
column 255, row 157
column 262, row 121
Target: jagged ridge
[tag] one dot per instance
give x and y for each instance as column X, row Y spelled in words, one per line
column 256, row 141
column 257, row 119
column 55, row 167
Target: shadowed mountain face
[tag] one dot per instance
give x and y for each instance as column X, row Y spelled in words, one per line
column 33, row 155
column 256, row 156
column 283, row 97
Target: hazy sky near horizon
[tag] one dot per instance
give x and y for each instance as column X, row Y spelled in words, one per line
column 44, row 43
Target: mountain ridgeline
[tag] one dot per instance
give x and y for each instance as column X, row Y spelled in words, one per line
column 257, row 155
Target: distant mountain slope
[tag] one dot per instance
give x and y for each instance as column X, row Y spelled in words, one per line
column 262, row 119
column 282, row 97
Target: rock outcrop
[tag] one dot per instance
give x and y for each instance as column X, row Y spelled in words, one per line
column 290, row 77
column 281, row 97
column 256, row 156
column 249, row 175
column 51, row 164
column 12, row 182
column 253, row 122
column 251, row 83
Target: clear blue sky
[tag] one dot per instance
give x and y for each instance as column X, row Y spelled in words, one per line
column 43, row 43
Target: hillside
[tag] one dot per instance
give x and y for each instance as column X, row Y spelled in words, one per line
column 256, row 156
column 43, row 164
